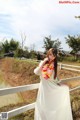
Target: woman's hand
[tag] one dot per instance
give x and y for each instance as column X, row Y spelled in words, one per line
column 43, row 62
column 46, row 59
column 61, row 84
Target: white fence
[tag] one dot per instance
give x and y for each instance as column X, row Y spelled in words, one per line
column 64, row 66
column 22, row 109
column 69, row 67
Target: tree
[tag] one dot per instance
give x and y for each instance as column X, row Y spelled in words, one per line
column 77, row 17
column 19, row 52
column 32, row 47
column 48, row 43
column 13, row 45
column 74, row 43
column 23, row 39
column 6, row 46
column 10, row 46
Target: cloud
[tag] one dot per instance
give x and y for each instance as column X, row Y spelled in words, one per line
column 38, row 19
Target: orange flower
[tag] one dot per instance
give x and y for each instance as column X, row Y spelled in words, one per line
column 47, row 70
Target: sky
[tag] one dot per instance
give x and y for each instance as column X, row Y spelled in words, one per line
column 38, row 19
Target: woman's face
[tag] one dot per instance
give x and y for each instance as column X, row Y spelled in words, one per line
column 51, row 56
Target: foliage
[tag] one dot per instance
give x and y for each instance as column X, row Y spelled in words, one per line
column 74, row 43
column 9, row 46
column 14, row 45
column 19, row 52
column 32, row 54
column 6, row 46
column 49, row 43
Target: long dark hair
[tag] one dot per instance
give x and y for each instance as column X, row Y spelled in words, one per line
column 54, row 52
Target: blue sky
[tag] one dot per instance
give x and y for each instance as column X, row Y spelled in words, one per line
column 37, row 19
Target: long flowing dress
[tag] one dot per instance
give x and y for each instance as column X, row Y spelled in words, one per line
column 53, row 101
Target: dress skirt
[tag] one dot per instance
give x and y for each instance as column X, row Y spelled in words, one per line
column 52, row 102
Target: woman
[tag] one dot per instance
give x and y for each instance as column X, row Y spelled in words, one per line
column 53, row 99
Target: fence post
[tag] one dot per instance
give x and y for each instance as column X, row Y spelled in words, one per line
column 60, row 66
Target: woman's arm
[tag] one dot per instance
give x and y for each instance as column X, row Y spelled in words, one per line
column 38, row 69
column 58, row 80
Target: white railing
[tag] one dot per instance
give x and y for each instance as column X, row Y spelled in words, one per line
column 67, row 67
column 62, row 66
column 22, row 109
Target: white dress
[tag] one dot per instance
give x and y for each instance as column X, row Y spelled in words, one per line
column 53, row 101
